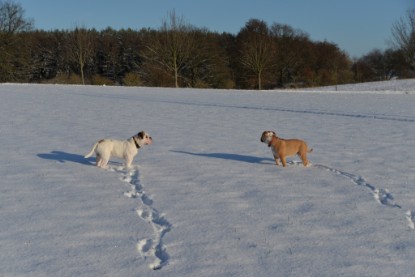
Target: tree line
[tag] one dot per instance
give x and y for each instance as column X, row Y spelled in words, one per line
column 259, row 56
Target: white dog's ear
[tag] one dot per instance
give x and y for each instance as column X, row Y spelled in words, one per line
column 274, row 133
column 141, row 135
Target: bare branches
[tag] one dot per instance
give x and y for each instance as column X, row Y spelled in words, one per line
column 12, row 53
column 12, row 18
column 172, row 47
column 82, row 48
column 403, row 36
column 256, row 48
column 180, row 55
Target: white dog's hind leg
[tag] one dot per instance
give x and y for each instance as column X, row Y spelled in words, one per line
column 103, row 160
column 103, row 163
column 98, row 159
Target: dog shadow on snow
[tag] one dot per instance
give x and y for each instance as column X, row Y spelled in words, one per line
column 63, row 157
column 229, row 156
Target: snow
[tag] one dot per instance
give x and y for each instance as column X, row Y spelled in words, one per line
column 391, row 86
column 206, row 199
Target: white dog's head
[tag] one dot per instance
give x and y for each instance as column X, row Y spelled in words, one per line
column 267, row 136
column 144, row 138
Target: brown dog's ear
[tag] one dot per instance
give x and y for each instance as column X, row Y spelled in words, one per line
column 141, row 135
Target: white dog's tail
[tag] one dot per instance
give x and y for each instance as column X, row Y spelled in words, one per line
column 92, row 151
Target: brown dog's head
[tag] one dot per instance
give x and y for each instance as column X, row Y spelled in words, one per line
column 144, row 138
column 267, row 136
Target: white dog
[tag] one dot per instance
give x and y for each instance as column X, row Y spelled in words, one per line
column 123, row 149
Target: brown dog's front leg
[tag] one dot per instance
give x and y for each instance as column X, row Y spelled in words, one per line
column 276, row 161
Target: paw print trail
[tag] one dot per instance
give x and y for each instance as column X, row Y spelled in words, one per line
column 382, row 196
column 151, row 248
column 410, row 217
column 154, row 247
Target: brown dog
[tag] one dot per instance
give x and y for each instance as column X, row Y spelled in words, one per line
column 282, row 148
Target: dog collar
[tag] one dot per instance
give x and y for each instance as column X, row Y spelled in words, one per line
column 136, row 144
column 270, row 143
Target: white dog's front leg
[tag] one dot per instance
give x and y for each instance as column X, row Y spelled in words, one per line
column 128, row 162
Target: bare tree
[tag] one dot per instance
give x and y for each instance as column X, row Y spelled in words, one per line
column 82, row 49
column 403, row 36
column 290, row 43
column 12, row 52
column 256, row 48
column 12, row 18
column 171, row 47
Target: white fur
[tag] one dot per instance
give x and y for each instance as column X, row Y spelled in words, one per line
column 123, row 149
column 268, row 137
column 267, row 140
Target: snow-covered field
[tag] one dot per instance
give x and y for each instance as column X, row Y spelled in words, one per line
column 392, row 86
column 206, row 199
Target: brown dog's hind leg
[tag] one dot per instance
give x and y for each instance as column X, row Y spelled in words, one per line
column 303, row 157
column 284, row 163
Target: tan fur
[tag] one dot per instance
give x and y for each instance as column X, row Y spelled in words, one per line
column 282, row 148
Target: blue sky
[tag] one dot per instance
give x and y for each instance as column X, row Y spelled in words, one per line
column 356, row 26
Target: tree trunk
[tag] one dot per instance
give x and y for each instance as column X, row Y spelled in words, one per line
column 259, row 81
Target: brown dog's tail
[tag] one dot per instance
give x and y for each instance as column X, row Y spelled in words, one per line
column 310, row 150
